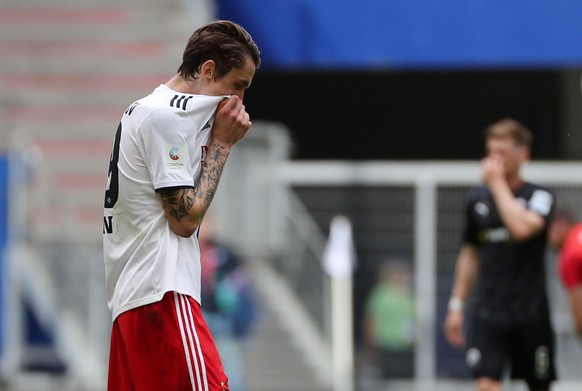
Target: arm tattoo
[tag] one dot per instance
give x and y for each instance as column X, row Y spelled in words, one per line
column 178, row 201
column 210, row 175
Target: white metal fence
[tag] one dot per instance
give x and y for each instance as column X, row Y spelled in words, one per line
column 415, row 211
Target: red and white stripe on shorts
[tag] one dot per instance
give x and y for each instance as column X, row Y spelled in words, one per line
column 164, row 345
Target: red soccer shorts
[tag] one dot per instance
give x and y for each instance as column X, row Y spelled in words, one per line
column 164, row 346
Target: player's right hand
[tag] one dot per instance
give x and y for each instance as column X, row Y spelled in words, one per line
column 231, row 122
column 454, row 328
column 492, row 169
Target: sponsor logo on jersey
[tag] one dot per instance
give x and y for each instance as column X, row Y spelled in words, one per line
column 174, row 153
column 175, row 157
column 494, row 235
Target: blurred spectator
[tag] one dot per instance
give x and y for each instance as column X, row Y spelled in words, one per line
column 565, row 234
column 389, row 321
column 228, row 303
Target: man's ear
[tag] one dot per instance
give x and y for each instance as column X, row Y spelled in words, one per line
column 208, row 70
column 525, row 153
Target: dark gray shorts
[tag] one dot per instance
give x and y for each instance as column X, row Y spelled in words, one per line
column 526, row 350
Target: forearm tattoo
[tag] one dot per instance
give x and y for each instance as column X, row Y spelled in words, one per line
column 210, row 175
column 178, row 201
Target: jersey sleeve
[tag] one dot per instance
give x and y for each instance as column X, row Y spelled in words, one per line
column 469, row 229
column 164, row 135
column 541, row 202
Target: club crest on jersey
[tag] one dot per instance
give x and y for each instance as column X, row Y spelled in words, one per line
column 482, row 208
column 175, row 157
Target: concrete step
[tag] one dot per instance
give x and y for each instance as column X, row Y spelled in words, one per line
column 54, row 210
column 162, row 61
column 14, row 17
column 91, row 4
column 58, row 115
column 78, row 91
column 273, row 361
column 112, row 25
column 83, row 82
column 71, row 50
column 73, row 183
column 71, row 149
column 88, row 131
column 66, row 166
column 70, row 227
column 71, row 191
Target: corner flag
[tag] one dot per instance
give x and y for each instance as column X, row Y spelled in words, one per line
column 339, row 257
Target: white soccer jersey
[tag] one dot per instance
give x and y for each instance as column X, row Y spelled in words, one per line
column 160, row 142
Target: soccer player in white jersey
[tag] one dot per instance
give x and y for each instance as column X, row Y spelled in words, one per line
column 168, row 155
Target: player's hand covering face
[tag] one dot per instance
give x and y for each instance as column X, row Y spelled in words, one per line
column 503, row 158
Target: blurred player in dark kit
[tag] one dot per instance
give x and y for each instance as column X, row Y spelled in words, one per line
column 503, row 252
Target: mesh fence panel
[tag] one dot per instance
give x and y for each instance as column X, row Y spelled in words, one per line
column 383, row 227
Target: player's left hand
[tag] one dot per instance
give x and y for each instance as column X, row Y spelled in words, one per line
column 454, row 328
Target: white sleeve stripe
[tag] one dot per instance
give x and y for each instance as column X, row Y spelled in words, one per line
column 199, row 354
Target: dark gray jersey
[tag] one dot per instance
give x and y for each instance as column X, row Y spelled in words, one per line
column 511, row 285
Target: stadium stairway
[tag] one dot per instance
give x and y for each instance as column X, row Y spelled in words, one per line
column 68, row 68
column 284, row 353
column 273, row 363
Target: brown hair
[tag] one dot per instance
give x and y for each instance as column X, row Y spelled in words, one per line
column 226, row 43
column 512, row 129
